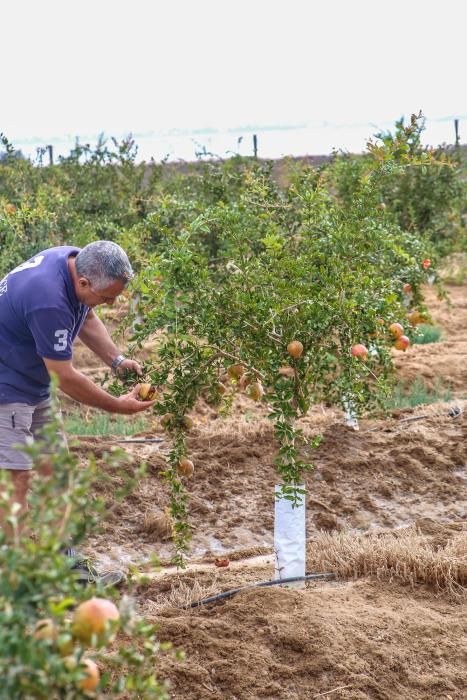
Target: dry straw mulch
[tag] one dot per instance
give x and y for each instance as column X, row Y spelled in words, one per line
column 426, row 552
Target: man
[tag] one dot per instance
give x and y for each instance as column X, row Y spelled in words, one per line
column 46, row 303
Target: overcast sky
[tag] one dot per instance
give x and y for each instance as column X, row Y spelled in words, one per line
column 82, row 67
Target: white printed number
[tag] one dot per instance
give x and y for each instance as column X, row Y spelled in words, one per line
column 35, row 262
column 24, row 266
column 62, row 337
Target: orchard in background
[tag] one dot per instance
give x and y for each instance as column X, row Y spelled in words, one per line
column 289, row 293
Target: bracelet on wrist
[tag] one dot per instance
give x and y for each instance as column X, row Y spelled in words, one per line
column 116, row 363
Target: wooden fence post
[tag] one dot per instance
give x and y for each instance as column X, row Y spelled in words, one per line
column 456, row 129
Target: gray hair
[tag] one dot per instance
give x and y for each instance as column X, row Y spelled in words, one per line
column 103, row 262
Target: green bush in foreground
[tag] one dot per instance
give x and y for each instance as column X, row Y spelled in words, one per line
column 39, row 592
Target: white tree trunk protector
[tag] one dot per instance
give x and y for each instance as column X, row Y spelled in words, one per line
column 350, row 417
column 290, row 539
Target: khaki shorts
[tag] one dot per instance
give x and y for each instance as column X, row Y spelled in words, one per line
column 21, row 424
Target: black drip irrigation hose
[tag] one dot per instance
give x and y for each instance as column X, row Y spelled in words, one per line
column 274, row 582
column 140, row 440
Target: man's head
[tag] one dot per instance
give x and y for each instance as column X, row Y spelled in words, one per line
column 102, row 272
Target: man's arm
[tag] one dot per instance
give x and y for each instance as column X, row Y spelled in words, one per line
column 96, row 337
column 82, row 389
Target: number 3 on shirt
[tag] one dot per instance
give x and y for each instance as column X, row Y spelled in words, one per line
column 62, row 337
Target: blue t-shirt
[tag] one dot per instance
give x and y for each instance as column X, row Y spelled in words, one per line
column 40, row 316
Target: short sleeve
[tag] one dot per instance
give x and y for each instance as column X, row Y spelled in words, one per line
column 52, row 332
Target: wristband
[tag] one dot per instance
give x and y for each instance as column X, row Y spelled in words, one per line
column 116, row 363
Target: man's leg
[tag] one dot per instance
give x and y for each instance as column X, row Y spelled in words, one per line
column 19, row 424
column 85, row 571
column 41, row 418
column 15, row 430
column 20, row 481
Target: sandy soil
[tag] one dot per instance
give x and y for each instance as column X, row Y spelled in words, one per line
column 356, row 637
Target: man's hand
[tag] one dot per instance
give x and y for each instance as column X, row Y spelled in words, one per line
column 129, row 403
column 129, row 366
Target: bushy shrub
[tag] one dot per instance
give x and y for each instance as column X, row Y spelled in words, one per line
column 42, row 655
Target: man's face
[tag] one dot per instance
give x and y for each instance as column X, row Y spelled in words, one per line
column 92, row 297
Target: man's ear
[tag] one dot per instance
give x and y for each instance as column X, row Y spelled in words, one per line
column 83, row 282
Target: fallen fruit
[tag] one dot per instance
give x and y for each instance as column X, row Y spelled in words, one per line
column 359, row 350
column 146, row 392
column 407, row 288
column 221, row 562
column 93, row 619
column 45, row 630
column 402, row 343
column 221, row 388
column 185, row 467
column 256, row 391
column 396, row 330
column 426, row 263
column 236, row 371
column 10, row 208
column 295, row 349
